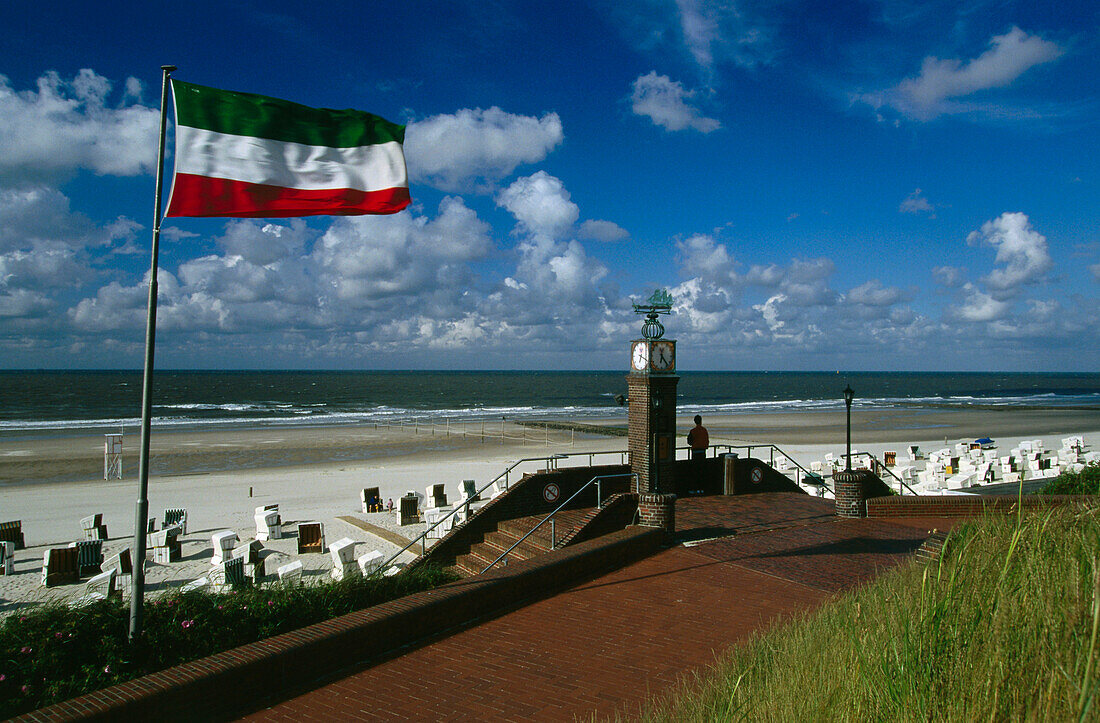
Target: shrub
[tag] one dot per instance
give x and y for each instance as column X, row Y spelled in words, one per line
column 1085, row 482
column 55, row 652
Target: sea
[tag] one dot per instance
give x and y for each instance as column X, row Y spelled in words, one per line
column 34, row 403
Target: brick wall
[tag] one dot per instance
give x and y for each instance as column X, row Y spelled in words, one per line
column 966, row 505
column 657, row 510
column 645, row 419
column 247, row 678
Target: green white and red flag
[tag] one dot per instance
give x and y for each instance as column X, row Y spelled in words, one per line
column 246, row 155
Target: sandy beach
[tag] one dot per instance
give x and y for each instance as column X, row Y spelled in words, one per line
column 316, row 474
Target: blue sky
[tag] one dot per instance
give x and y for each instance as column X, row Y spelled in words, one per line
column 878, row 185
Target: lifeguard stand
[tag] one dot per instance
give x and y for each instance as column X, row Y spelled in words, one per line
column 112, row 456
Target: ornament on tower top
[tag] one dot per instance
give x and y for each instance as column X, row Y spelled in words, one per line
column 659, row 303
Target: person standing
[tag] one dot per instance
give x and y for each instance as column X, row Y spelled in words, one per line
column 698, row 439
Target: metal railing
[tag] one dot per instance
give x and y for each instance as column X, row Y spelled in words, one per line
column 772, row 450
column 553, row 531
column 551, row 462
column 879, row 466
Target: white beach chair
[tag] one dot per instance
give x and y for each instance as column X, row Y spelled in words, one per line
column 200, row 583
column 370, row 562
column 93, row 527
column 7, row 557
column 343, row 558
column 290, row 572
column 223, row 542
column 268, row 524
column 227, row 576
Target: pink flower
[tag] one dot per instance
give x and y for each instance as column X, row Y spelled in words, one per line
column 107, row 669
column 270, row 603
column 57, row 635
column 187, row 624
column 25, row 650
column 3, row 677
column 26, row 688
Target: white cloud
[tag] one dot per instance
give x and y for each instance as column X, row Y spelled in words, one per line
column 703, row 257
column 475, row 148
column 930, row 94
column 605, row 231
column 949, row 276
column 67, row 125
column 700, row 30
column 979, row 307
column 541, row 204
column 664, row 101
column 1021, row 249
column 873, row 293
column 915, row 202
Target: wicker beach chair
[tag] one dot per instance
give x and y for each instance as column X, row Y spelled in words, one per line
column 343, row 558
column 13, row 532
column 370, row 562
column 269, row 526
column 89, row 557
column 166, row 545
column 371, row 499
column 176, row 516
column 223, row 542
column 228, row 575
column 251, row 553
column 311, row 537
column 408, row 511
column 93, row 527
column 436, row 495
column 290, row 572
column 7, row 557
column 59, row 566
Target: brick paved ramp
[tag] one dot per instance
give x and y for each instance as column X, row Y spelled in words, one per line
column 604, row 645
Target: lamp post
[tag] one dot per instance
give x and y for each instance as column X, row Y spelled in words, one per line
column 848, row 394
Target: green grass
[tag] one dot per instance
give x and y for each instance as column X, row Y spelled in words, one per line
column 54, row 652
column 1003, row 627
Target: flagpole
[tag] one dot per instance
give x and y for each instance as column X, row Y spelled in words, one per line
column 141, row 513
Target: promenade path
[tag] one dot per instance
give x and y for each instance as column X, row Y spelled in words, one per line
column 743, row 564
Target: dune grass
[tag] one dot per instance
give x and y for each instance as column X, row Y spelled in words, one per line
column 1002, row 627
column 1085, row 482
column 54, row 652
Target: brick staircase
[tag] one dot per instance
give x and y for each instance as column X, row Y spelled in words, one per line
column 508, row 532
column 931, row 549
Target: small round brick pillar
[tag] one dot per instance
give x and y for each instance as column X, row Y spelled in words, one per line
column 657, row 510
column 850, row 492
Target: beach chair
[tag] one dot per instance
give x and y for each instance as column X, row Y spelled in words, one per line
column 176, row 516
column 228, row 575
column 436, row 495
column 469, row 491
column 199, row 583
column 268, row 524
column 13, row 532
column 407, row 512
column 251, row 553
column 432, row 515
column 59, row 566
column 121, row 563
column 166, row 545
column 371, row 499
column 370, row 562
column 223, row 542
column 103, row 586
column 89, row 557
column 7, row 557
column 343, row 558
column 93, row 527
column 290, row 572
column 311, row 537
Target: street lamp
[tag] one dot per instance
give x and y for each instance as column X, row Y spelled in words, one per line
column 848, row 394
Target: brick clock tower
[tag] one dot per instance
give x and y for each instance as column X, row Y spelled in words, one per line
column 651, row 414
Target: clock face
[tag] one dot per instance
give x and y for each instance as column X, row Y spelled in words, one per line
column 664, row 356
column 639, row 356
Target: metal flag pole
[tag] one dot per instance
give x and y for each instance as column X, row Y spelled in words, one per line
column 142, row 507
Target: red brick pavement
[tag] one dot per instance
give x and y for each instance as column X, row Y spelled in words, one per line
column 607, row 644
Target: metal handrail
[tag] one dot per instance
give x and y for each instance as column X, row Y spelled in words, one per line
column 882, row 466
column 551, row 462
column 773, row 449
column 553, row 541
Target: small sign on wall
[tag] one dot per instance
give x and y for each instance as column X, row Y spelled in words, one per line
column 551, row 492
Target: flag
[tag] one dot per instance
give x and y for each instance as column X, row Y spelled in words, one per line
column 240, row 154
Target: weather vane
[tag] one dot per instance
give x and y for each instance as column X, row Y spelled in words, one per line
column 659, row 303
